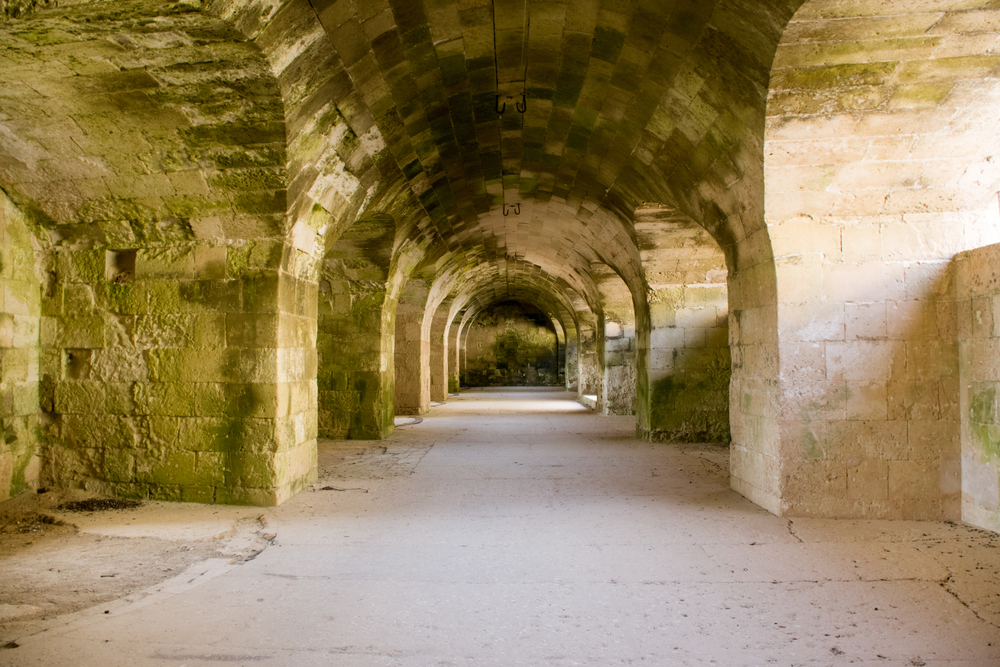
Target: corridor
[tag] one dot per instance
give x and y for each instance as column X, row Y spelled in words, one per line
column 516, row 527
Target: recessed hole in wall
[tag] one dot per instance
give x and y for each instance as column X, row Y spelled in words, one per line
column 76, row 364
column 119, row 266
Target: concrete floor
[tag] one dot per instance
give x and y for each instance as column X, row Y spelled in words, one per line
column 516, row 528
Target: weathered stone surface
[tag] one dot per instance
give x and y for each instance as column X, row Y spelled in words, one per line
column 236, row 227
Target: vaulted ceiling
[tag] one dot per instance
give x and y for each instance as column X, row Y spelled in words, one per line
column 511, row 140
column 528, row 132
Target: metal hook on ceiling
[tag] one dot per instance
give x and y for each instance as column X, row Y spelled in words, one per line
column 501, row 109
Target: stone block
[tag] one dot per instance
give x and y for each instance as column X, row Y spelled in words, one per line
column 865, row 361
column 695, row 338
column 208, row 330
column 914, row 480
column 251, row 400
column 209, row 262
column 984, row 357
column 80, row 397
column 119, row 398
column 865, row 321
column 164, row 264
column 238, row 495
column 666, row 338
column 198, row 494
column 867, row 282
column 918, row 400
column 931, row 360
column 162, row 431
column 800, row 278
column 980, row 483
column 813, row 479
column 862, row 243
column 165, row 398
column 868, row 480
column 119, row 465
column 127, row 299
column 99, row 432
column 251, row 470
column 260, row 292
column 919, row 96
column 257, row 330
column 928, row 279
column 172, row 467
column 948, row 69
column 866, row 401
column 80, row 332
column 803, row 362
column 703, row 317
column 867, row 440
column 911, row 320
column 933, row 438
column 210, row 399
column 164, row 296
column 811, row 322
column 209, row 296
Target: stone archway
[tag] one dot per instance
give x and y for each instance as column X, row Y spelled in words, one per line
column 879, row 169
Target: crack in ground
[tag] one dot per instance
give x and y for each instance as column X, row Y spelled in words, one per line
column 791, row 532
column 945, row 585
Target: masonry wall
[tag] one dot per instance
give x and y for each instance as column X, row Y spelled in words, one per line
column 879, row 169
column 689, row 357
column 978, row 306
column 20, row 307
column 412, row 350
column 159, row 176
column 512, row 344
column 355, row 341
column 618, row 362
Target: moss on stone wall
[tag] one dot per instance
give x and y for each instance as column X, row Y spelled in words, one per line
column 692, row 403
column 983, row 422
column 20, row 307
column 512, row 344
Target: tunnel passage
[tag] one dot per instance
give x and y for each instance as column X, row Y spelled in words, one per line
column 252, row 224
column 513, row 344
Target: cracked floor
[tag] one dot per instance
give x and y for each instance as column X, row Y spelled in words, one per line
column 514, row 528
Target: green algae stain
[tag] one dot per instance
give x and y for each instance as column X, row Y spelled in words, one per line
column 692, row 404
column 983, row 422
column 811, row 448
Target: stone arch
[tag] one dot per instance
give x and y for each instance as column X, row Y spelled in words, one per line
column 513, row 342
column 689, row 361
column 478, row 291
column 880, row 168
column 362, row 277
column 159, row 178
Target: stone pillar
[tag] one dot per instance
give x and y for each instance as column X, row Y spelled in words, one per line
column 978, row 312
column 618, row 380
column 590, row 356
column 412, row 351
column 356, row 376
column 689, row 360
column 20, row 307
column 572, row 361
column 689, row 363
column 439, row 353
column 453, row 332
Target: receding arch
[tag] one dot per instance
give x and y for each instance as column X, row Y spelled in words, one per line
column 879, row 169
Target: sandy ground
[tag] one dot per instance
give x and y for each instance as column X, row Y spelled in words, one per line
column 56, row 562
column 499, row 531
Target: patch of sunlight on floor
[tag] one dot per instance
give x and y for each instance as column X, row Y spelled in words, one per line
column 514, row 400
